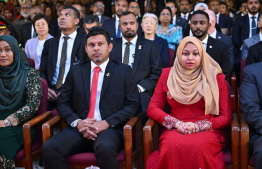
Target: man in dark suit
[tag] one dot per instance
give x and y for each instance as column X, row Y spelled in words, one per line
column 99, row 9
column 111, row 25
column 95, row 118
column 222, row 20
column 177, row 20
column 89, row 22
column 246, row 26
column 254, row 54
column 219, row 36
column 185, row 9
column 215, row 48
column 250, row 95
column 243, row 11
column 141, row 54
column 61, row 52
column 134, row 7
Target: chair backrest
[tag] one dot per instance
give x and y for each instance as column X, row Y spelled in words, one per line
column 171, row 57
column 242, row 66
column 31, row 62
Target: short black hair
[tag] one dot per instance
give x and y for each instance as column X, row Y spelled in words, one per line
column 200, row 12
column 133, row 1
column 223, row 3
column 184, row 0
column 91, row 19
column 170, row 11
column 41, row 16
column 95, row 1
column 97, row 30
column 127, row 13
column 125, row 0
column 76, row 12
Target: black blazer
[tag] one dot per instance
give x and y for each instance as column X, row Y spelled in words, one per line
column 254, row 54
column 119, row 100
column 25, row 33
column 49, row 56
column 225, row 22
column 181, row 22
column 163, row 50
column 219, row 52
column 54, row 29
column 250, row 95
column 147, row 66
column 241, row 31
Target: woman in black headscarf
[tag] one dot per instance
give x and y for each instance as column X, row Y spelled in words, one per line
column 20, row 95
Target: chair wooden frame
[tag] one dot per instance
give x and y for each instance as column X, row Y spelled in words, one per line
column 134, row 124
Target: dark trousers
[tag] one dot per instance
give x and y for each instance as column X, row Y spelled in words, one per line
column 257, row 153
column 70, row 141
column 52, row 105
column 145, row 98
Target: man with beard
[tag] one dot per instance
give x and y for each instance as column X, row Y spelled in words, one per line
column 246, row 26
column 112, row 25
column 185, row 9
column 141, row 54
column 134, row 7
column 199, row 24
column 222, row 20
column 99, row 9
column 26, row 9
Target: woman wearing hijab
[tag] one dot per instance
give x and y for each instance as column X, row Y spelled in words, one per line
column 197, row 93
column 20, row 96
column 201, row 6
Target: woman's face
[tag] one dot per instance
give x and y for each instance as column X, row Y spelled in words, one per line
column 6, row 54
column 41, row 27
column 222, row 9
column 8, row 15
column 48, row 12
column 149, row 25
column 202, row 8
column 165, row 16
column 190, row 57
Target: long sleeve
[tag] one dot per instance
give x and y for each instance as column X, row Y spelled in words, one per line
column 33, row 94
column 164, row 53
column 244, row 51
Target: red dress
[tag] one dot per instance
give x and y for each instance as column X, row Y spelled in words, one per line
column 201, row 150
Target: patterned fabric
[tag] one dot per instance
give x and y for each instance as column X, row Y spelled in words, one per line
column 62, row 64
column 6, row 163
column 204, row 125
column 169, row 122
column 126, row 54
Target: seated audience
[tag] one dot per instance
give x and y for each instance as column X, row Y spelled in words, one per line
column 201, row 6
column 173, row 34
column 34, row 46
column 20, row 97
column 89, row 22
column 242, row 11
column 250, row 95
column 184, row 9
column 197, row 93
column 254, row 54
column 48, row 11
column 223, row 8
column 149, row 25
column 134, row 7
column 9, row 12
column 95, row 118
column 99, row 10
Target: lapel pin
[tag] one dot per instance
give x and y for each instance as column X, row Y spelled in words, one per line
column 210, row 46
column 178, row 20
column 219, row 37
column 108, row 74
column 140, row 46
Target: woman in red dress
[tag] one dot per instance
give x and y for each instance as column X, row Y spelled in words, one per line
column 197, row 93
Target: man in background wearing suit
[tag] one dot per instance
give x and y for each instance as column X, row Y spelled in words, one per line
column 220, row 36
column 61, row 52
column 254, row 54
column 89, row 22
column 185, row 9
column 99, row 9
column 199, row 24
column 134, row 7
column 95, row 118
column 141, row 54
column 177, row 20
column 112, row 25
column 252, row 40
column 250, row 95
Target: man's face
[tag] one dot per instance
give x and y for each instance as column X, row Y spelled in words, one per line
column 36, row 10
column 98, row 49
column 88, row 26
column 99, row 8
column 4, row 32
column 128, row 25
column 199, row 25
column 120, row 7
column 67, row 19
column 26, row 10
column 184, row 6
column 134, row 7
column 59, row 9
column 173, row 8
column 79, row 8
column 243, row 8
column 253, row 6
column 214, row 6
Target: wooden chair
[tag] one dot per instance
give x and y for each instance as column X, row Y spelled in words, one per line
column 152, row 131
column 33, row 149
column 132, row 129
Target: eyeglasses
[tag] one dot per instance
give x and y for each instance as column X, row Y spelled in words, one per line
column 26, row 8
column 167, row 14
column 97, row 5
column 134, row 7
column 42, row 24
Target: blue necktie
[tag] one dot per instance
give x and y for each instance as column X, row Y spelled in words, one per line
column 118, row 35
column 253, row 26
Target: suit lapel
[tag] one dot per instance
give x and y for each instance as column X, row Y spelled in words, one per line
column 139, row 48
column 118, row 50
column 209, row 48
column 86, row 79
column 107, row 76
column 75, row 47
column 247, row 25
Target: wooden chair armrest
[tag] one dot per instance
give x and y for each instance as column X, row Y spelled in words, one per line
column 233, row 100
column 244, row 142
column 234, row 82
column 46, row 127
column 147, row 138
column 235, row 135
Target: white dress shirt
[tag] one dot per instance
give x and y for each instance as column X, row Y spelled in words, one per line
column 260, row 36
column 217, row 17
column 70, row 44
column 205, row 42
column 214, row 34
column 250, row 23
column 132, row 50
column 39, row 50
column 174, row 20
column 185, row 16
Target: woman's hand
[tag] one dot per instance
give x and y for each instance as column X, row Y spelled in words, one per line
column 2, row 123
column 190, row 128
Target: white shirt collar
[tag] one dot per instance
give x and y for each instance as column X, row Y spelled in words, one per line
column 218, row 14
column 102, row 66
column 133, row 41
column 72, row 35
column 184, row 14
column 260, row 36
column 174, row 18
column 205, row 40
column 214, row 34
column 117, row 19
column 249, row 15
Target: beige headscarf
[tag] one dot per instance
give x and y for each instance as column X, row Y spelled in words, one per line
column 189, row 86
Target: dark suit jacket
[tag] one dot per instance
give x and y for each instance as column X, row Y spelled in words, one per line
column 225, row 22
column 181, row 22
column 219, row 52
column 250, row 95
column 54, row 29
column 49, row 56
column 241, row 31
column 227, row 40
column 254, row 54
column 25, row 33
column 119, row 100
column 163, row 49
column 187, row 29
column 189, row 17
column 147, row 66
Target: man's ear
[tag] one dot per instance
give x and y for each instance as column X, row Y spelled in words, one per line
column 76, row 21
column 110, row 47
